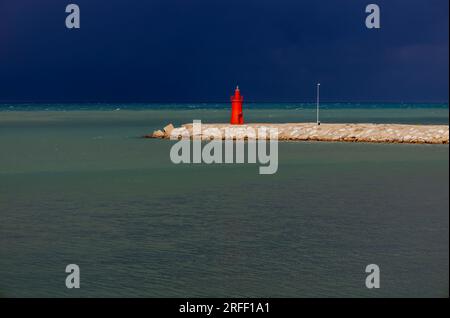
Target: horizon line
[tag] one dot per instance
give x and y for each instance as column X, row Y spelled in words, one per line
column 323, row 100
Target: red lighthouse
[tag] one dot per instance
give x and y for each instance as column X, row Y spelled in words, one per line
column 237, row 117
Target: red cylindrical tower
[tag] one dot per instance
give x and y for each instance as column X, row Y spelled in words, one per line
column 237, row 117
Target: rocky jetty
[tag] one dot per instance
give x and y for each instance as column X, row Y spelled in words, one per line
column 378, row 133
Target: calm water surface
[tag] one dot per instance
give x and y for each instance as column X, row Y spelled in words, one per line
column 79, row 186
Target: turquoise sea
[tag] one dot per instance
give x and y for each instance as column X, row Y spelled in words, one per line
column 79, row 185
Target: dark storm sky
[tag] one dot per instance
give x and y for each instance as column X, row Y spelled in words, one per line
column 198, row 50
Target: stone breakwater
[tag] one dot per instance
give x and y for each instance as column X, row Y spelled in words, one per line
column 378, row 133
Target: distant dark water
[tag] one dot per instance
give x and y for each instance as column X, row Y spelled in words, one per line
column 190, row 106
column 80, row 187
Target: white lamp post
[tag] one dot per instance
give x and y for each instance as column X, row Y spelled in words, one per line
column 318, row 102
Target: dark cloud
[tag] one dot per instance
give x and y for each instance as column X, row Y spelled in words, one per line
column 197, row 50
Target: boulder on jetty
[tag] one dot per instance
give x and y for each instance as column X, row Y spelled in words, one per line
column 378, row 133
column 168, row 129
column 156, row 134
column 165, row 133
